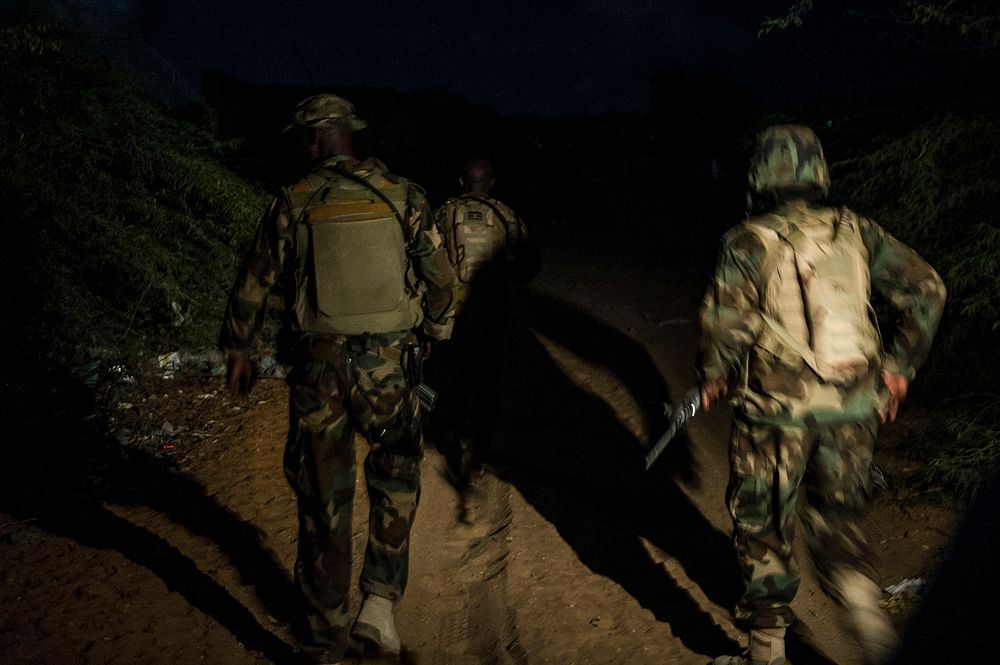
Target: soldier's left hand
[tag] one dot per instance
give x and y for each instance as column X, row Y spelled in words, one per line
column 897, row 386
column 712, row 392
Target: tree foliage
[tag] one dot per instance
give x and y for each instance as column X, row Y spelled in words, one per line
column 973, row 25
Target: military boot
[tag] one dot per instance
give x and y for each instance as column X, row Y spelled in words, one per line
column 376, row 626
column 767, row 647
column 869, row 622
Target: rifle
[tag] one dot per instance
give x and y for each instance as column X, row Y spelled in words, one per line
column 677, row 416
column 415, row 377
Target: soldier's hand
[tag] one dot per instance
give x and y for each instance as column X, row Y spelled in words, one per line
column 238, row 374
column 712, row 392
column 897, row 386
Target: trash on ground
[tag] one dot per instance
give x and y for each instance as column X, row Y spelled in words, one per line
column 205, row 361
column 914, row 584
column 269, row 368
column 904, row 596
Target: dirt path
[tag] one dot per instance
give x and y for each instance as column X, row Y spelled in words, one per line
column 173, row 542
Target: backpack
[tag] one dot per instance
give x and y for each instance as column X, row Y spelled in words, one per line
column 815, row 294
column 476, row 232
column 352, row 271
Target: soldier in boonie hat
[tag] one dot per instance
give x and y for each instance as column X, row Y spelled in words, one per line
column 326, row 110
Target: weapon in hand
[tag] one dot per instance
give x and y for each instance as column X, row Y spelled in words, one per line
column 677, row 416
column 427, row 396
column 415, row 370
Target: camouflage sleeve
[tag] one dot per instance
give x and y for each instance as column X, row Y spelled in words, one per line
column 914, row 291
column 261, row 269
column 729, row 319
column 431, row 263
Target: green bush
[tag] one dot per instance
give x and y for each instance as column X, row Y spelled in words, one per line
column 124, row 230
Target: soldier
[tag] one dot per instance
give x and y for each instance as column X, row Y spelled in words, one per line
column 488, row 247
column 363, row 268
column 788, row 331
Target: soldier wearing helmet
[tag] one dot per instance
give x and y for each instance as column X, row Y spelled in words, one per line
column 363, row 268
column 788, row 333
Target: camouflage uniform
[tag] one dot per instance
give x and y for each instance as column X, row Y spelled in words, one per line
column 342, row 384
column 792, row 428
column 482, row 301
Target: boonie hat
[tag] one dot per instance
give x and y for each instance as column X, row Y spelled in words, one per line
column 326, row 110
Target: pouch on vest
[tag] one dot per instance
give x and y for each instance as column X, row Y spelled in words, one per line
column 356, row 261
column 478, row 235
column 815, row 292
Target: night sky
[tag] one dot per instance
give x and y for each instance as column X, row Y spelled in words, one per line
column 520, row 56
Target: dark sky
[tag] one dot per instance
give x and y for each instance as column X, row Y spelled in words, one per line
column 518, row 56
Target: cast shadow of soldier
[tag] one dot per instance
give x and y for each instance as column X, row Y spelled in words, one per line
column 65, row 468
column 570, row 456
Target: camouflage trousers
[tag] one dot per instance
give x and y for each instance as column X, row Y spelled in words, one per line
column 769, row 466
column 342, row 385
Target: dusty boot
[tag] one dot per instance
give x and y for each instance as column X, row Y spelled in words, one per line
column 869, row 622
column 767, row 647
column 376, row 626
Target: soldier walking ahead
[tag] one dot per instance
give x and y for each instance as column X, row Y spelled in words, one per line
column 489, row 248
column 363, row 267
column 788, row 331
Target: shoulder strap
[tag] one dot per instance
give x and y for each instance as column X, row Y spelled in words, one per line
column 769, row 262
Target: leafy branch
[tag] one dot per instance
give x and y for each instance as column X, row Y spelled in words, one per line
column 791, row 19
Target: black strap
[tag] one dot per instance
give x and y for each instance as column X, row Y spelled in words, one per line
column 377, row 192
column 503, row 220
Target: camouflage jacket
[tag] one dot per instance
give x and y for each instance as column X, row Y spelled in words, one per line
column 272, row 255
column 731, row 322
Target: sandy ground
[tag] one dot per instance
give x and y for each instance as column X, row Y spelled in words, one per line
column 172, row 540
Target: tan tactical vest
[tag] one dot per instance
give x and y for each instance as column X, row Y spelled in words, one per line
column 815, row 293
column 476, row 232
column 353, row 276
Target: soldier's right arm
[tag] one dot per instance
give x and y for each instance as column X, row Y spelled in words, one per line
column 426, row 248
column 730, row 316
column 261, row 269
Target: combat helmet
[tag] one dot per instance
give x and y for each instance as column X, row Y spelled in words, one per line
column 788, row 157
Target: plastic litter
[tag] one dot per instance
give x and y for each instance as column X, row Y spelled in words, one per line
column 208, row 361
column 169, row 363
column 910, row 584
column 269, row 368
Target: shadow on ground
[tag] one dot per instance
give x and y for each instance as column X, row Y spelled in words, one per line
column 61, row 470
column 569, row 455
